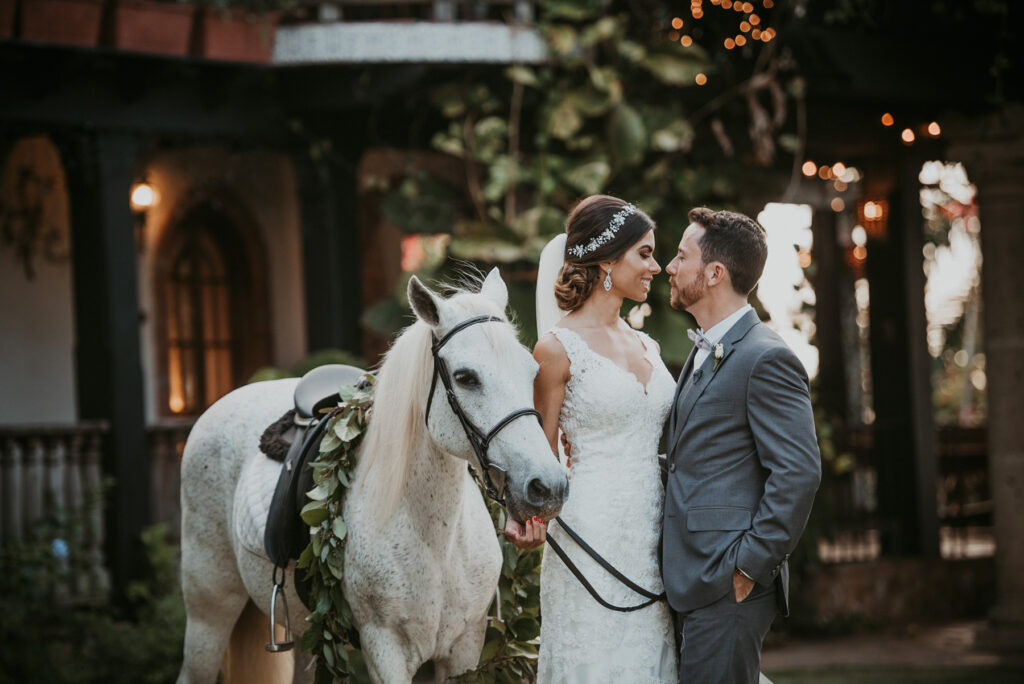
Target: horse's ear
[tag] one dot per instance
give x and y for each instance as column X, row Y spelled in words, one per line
column 494, row 288
column 425, row 304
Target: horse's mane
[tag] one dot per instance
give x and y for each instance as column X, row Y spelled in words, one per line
column 397, row 428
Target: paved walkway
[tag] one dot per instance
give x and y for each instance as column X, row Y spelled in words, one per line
column 945, row 645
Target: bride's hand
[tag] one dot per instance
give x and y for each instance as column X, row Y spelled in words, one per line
column 526, row 537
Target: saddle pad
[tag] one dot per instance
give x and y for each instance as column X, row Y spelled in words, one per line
column 253, row 493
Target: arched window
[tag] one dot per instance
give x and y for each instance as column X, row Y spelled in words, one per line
column 212, row 325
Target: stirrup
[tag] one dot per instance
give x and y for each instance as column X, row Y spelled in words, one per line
column 275, row 646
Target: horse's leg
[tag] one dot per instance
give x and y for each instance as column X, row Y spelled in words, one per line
column 303, row 672
column 388, row 659
column 214, row 598
column 463, row 655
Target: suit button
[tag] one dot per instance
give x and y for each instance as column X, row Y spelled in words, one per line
column 672, row 467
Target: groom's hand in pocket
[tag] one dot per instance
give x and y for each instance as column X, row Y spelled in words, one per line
column 526, row 536
column 741, row 585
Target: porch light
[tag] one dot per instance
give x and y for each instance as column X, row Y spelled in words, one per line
column 144, row 197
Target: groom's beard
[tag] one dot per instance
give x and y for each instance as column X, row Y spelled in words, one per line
column 692, row 292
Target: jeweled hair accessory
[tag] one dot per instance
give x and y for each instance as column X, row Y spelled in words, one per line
column 579, row 251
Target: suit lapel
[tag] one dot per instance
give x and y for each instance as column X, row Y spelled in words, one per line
column 707, row 373
column 687, row 368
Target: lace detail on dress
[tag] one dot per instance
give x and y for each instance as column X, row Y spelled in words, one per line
column 614, row 424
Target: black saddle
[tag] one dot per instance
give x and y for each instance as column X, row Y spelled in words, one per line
column 300, row 430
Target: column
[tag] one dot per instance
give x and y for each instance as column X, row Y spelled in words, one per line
column 995, row 164
column 331, row 251
column 100, row 169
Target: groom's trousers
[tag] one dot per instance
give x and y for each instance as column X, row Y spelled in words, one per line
column 721, row 643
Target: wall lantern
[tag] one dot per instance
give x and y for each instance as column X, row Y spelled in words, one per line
column 143, row 198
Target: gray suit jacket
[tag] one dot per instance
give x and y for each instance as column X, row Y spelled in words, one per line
column 743, row 468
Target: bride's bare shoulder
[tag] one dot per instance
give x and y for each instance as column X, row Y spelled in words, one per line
column 550, row 353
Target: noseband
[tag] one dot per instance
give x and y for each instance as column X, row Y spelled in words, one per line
column 493, row 477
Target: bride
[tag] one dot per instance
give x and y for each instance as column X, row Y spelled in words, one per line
column 606, row 388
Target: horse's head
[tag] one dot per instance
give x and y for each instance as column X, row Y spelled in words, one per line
column 491, row 379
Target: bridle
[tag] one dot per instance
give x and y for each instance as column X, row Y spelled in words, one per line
column 492, row 476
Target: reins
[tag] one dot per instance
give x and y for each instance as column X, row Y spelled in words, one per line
column 560, row 552
column 489, row 472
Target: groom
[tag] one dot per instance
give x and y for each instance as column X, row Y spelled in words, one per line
column 742, row 457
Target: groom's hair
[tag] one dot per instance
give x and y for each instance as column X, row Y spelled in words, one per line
column 737, row 241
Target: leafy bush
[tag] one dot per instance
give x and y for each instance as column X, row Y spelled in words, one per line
column 48, row 637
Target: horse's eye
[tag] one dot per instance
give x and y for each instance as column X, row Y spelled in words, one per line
column 466, row 378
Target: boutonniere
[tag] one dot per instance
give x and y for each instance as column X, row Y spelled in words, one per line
column 719, row 352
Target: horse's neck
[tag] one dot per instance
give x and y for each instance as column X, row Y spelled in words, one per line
column 434, row 494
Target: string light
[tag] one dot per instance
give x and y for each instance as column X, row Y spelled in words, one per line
column 748, row 7
column 887, row 119
column 860, row 253
column 825, row 172
column 744, row 26
column 934, row 130
column 729, row 43
column 754, row 20
column 741, row 40
column 701, row 79
column 907, row 136
column 838, row 169
column 726, row 4
column 673, row 36
column 810, row 169
column 677, row 23
column 838, row 204
column 840, row 185
column 687, row 41
column 768, row 4
column 756, row 34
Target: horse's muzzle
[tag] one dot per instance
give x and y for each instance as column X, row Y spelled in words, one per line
column 542, row 497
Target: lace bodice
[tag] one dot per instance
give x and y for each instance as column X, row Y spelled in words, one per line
column 615, row 500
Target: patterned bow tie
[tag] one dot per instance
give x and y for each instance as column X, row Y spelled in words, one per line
column 699, row 340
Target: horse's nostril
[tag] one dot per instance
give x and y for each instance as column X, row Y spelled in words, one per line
column 537, row 492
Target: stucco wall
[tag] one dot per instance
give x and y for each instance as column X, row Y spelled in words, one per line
column 37, row 379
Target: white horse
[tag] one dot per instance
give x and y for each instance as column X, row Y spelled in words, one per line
column 422, row 560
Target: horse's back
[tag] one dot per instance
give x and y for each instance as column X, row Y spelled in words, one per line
column 222, row 439
column 229, row 425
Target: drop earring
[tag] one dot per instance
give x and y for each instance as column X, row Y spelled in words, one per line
column 608, row 281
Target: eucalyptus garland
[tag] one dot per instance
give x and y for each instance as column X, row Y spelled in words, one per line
column 510, row 649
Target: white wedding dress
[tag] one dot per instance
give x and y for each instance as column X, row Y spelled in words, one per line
column 615, row 503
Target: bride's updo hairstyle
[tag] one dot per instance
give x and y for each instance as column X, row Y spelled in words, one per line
column 599, row 229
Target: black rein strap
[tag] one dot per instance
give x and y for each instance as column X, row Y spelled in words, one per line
column 477, row 438
column 560, row 552
column 480, row 443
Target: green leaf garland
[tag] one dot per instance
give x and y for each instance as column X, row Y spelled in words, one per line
column 511, row 644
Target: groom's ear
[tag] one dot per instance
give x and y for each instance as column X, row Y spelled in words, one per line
column 716, row 273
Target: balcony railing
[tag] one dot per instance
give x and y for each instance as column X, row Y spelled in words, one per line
column 51, row 479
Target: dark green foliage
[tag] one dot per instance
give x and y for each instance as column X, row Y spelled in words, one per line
column 49, row 638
